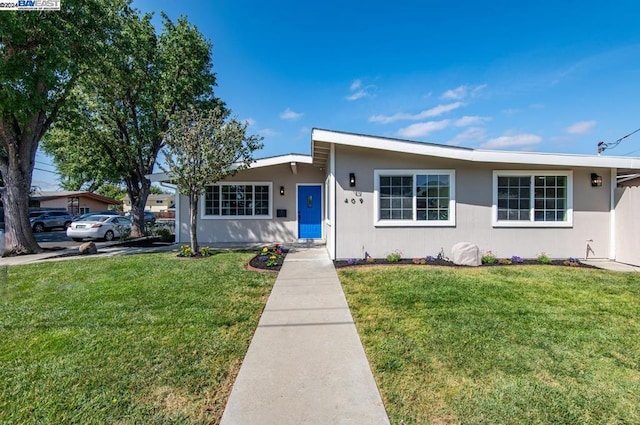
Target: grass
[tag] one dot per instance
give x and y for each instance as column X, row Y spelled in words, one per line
column 512, row 345
column 134, row 339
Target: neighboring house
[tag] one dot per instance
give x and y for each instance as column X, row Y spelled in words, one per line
column 75, row 202
column 155, row 203
column 367, row 195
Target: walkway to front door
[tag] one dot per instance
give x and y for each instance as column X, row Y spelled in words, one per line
column 305, row 364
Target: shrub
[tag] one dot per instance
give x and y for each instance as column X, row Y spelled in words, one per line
column 185, row 251
column 517, row 260
column 352, row 261
column 572, row 262
column 505, row 261
column 419, row 261
column 489, row 258
column 164, row 234
column 430, row 258
column 544, row 259
column 206, row 251
column 395, row 256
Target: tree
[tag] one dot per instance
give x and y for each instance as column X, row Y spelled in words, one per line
column 204, row 147
column 42, row 57
column 125, row 106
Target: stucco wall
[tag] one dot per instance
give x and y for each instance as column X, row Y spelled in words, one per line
column 356, row 233
column 84, row 202
column 274, row 230
column 627, row 225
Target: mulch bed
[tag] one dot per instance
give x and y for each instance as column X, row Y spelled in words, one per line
column 259, row 264
column 446, row 263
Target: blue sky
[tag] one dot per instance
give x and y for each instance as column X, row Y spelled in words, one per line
column 535, row 76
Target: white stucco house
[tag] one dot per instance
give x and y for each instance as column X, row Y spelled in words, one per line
column 372, row 195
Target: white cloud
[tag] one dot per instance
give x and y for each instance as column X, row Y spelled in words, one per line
column 267, row 132
column 470, row 135
column 462, row 92
column 512, row 141
column 470, row 120
column 582, row 127
column 358, row 91
column 429, row 113
column 423, row 129
column 288, row 114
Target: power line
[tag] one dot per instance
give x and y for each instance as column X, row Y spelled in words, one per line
column 602, row 145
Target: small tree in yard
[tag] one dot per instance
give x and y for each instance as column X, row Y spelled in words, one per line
column 204, row 147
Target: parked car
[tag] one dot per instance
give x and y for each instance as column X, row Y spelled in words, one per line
column 149, row 217
column 47, row 220
column 89, row 214
column 107, row 227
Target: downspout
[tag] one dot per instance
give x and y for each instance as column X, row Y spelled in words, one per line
column 334, row 195
column 612, row 214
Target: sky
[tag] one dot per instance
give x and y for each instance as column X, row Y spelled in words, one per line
column 539, row 76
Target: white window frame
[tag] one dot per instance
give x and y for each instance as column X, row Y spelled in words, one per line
column 531, row 222
column 414, row 222
column 203, row 209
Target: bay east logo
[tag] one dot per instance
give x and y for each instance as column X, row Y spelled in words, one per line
column 38, row 4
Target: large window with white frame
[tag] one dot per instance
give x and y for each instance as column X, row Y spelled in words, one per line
column 414, row 197
column 532, row 198
column 237, row 200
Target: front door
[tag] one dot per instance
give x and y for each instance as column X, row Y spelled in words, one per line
column 309, row 212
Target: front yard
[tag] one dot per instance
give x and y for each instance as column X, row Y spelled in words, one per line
column 149, row 338
column 500, row 345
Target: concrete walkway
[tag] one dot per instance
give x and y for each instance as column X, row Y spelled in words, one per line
column 305, row 364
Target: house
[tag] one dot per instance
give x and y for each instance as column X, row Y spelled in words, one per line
column 368, row 195
column 156, row 203
column 75, row 202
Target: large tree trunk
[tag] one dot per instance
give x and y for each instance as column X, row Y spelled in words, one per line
column 193, row 229
column 138, row 196
column 16, row 169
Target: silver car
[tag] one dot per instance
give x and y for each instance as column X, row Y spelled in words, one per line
column 47, row 220
column 107, row 227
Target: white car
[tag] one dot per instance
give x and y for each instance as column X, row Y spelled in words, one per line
column 107, row 227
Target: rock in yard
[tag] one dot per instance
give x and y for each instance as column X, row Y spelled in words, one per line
column 88, row 248
column 466, row 254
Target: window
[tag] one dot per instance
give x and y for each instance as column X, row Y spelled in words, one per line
column 532, row 198
column 240, row 200
column 414, row 197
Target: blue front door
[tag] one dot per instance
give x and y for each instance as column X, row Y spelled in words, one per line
column 309, row 212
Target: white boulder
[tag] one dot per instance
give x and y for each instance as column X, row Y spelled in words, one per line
column 466, row 254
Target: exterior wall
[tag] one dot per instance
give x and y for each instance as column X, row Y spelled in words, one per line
column 273, row 230
column 154, row 203
column 627, row 205
column 84, row 202
column 356, row 233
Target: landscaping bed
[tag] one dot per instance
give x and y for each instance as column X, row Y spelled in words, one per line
column 447, row 263
column 270, row 258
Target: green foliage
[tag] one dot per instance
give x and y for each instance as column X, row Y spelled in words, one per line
column 394, row 256
column 133, row 339
column 203, row 147
column 206, row 251
column 112, row 191
column 164, row 234
column 489, row 258
column 544, row 259
column 43, row 56
column 123, row 107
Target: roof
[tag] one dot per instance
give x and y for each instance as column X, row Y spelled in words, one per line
column 156, row 196
column 290, row 159
column 321, row 141
column 47, row 195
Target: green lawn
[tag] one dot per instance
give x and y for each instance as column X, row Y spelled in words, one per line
column 150, row 338
column 501, row 345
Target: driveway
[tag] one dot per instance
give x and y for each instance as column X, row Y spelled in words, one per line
column 54, row 239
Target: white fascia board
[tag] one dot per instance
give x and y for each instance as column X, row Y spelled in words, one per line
column 263, row 162
column 473, row 155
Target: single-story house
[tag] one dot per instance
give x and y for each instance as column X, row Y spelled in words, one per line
column 367, row 195
column 156, row 203
column 75, row 202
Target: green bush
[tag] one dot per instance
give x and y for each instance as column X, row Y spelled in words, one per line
column 165, row 235
column 489, row 258
column 544, row 259
column 394, row 257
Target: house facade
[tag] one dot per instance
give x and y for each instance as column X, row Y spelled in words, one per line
column 75, row 202
column 367, row 195
column 156, row 203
